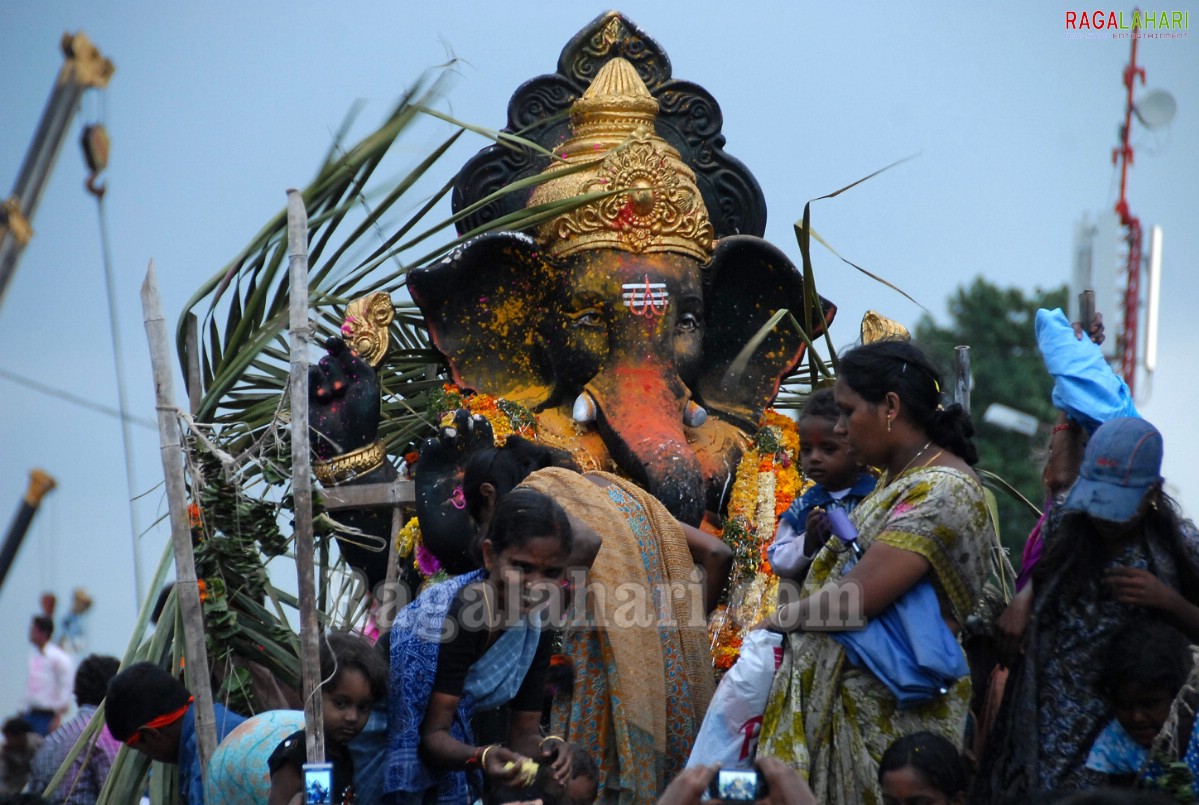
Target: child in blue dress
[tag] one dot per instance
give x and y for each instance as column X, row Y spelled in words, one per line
column 841, row 482
column 1147, row 664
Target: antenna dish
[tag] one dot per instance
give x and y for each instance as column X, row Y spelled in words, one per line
column 1155, row 109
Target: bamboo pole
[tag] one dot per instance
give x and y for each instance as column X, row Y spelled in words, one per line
column 301, row 483
column 192, row 370
column 195, row 667
column 963, row 380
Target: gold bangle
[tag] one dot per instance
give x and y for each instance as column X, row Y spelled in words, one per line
column 348, row 466
column 483, row 757
column 548, row 737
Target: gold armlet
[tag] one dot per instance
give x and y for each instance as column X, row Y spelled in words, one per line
column 348, row 466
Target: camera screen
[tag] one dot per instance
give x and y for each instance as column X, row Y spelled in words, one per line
column 318, row 783
column 737, row 785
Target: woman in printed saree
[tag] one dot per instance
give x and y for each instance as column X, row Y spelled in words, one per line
column 1116, row 551
column 926, row 519
column 635, row 630
column 476, row 641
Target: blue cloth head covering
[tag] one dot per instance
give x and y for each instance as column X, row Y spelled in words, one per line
column 1084, row 385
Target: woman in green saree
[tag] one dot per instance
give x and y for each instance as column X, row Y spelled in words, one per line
column 926, row 518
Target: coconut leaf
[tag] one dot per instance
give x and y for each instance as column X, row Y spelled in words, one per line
column 995, row 482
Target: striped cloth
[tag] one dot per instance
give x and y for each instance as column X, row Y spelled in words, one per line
column 82, row 784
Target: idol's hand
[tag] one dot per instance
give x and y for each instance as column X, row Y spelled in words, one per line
column 343, row 402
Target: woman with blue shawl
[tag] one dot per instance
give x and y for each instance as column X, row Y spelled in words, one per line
column 476, row 642
column 638, row 691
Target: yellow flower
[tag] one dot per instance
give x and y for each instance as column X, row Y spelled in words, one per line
column 408, row 538
column 764, row 486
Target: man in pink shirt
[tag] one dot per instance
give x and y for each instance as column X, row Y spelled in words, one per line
column 48, row 689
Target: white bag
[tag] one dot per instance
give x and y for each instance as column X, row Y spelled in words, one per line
column 729, row 734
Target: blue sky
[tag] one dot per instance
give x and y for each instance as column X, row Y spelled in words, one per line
column 217, row 108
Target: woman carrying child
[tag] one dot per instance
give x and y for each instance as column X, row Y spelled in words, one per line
column 1116, row 551
column 353, row 679
column 476, row 642
column 839, row 482
column 926, row 518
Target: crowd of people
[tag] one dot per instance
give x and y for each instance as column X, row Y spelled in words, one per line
column 889, row 552
column 39, row 740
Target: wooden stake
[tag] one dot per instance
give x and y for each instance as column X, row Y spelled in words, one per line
column 301, row 483
column 195, row 667
column 192, row 370
column 963, row 380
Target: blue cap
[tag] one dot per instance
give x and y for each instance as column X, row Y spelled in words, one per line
column 1122, row 462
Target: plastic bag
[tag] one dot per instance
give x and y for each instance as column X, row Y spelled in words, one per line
column 729, row 733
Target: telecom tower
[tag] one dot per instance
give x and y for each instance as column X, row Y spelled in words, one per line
column 1108, row 252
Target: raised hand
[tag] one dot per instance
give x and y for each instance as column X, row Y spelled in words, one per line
column 446, row 526
column 343, row 402
column 1097, row 334
column 343, row 416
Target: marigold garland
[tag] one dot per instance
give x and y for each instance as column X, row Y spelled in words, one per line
column 766, row 482
column 506, row 417
column 407, row 538
column 409, row 542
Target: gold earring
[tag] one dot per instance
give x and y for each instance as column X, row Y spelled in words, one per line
column 888, row 424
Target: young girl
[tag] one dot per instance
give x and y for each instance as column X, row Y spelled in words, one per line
column 1147, row 664
column 475, row 641
column 840, row 482
column 354, row 679
column 922, row 769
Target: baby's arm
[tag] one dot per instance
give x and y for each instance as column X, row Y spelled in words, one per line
column 786, row 553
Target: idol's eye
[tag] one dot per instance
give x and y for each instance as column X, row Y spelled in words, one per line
column 588, row 317
column 687, row 323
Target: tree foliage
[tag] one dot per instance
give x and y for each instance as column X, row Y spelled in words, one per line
column 998, row 326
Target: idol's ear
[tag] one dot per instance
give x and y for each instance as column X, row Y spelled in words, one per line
column 484, row 306
column 746, row 283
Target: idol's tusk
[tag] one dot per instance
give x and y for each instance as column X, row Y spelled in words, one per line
column 585, row 410
column 695, row 415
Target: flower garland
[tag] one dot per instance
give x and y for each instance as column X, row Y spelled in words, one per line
column 766, row 482
column 409, row 542
column 506, row 417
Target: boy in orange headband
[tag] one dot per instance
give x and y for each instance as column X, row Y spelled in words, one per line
column 151, row 711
